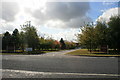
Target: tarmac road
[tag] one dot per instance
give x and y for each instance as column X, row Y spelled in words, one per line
column 58, row 65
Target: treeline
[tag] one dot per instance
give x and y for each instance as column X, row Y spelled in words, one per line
column 28, row 38
column 93, row 37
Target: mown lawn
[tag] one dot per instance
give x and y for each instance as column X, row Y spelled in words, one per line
column 85, row 52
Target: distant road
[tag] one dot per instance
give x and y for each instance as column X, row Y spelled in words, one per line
column 56, row 64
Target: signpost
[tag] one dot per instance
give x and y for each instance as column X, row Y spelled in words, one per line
column 104, row 48
column 29, row 49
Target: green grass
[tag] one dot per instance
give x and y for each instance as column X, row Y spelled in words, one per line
column 13, row 53
column 27, row 53
column 49, row 51
column 85, row 52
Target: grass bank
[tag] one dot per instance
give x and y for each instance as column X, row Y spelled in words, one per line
column 85, row 52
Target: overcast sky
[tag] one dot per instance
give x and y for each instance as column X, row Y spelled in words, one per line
column 54, row 19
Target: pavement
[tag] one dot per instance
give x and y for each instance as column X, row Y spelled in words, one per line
column 58, row 65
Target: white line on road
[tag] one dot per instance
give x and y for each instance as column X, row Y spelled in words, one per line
column 58, row 73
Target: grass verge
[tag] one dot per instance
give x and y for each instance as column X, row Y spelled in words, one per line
column 85, row 52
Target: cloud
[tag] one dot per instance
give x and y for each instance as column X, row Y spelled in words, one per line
column 6, row 26
column 9, row 10
column 108, row 3
column 66, row 11
column 79, row 21
column 108, row 13
column 63, row 14
column 51, row 14
column 66, row 34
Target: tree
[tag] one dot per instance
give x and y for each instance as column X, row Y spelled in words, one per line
column 50, row 43
column 63, row 45
column 6, row 40
column 41, row 43
column 101, row 34
column 15, row 39
column 57, row 44
column 31, row 37
column 92, row 37
column 86, row 37
column 114, row 27
column 70, row 45
column 22, row 40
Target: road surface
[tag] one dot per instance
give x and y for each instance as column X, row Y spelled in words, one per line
column 58, row 65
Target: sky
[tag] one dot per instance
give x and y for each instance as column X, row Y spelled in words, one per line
column 55, row 19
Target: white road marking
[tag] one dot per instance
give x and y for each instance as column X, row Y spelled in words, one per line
column 58, row 73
